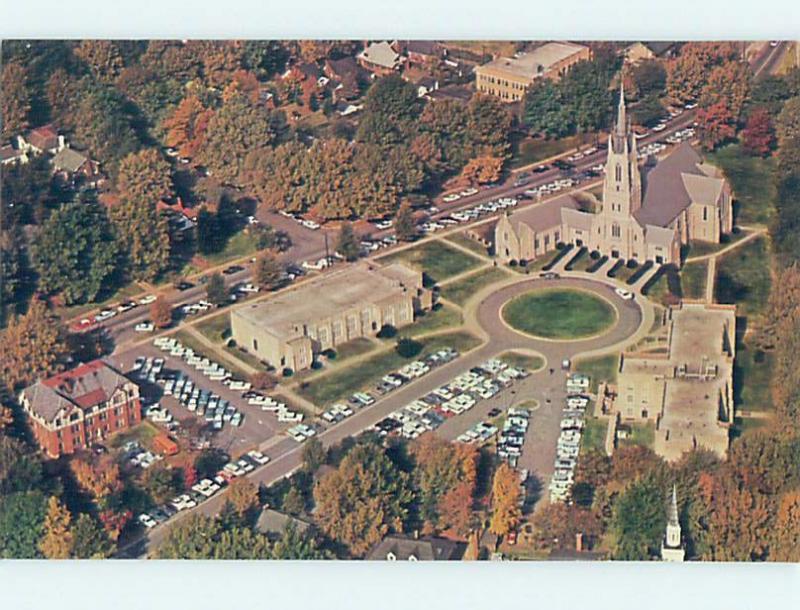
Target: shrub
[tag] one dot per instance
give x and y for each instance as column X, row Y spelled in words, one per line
column 632, row 263
column 595, row 254
column 512, row 263
column 316, row 365
column 408, row 348
column 387, row 331
column 287, row 372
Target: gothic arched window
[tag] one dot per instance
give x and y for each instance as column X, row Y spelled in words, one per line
column 618, row 173
column 615, row 230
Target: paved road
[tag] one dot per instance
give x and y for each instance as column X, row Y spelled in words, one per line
column 547, row 388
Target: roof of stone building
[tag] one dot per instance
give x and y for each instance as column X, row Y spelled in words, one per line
column 88, row 385
column 381, row 54
column 577, row 219
column 544, row 216
column 356, row 285
column 666, row 194
column 422, row 549
column 536, row 62
column 68, row 160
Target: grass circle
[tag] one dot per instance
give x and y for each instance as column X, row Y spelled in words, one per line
column 559, row 313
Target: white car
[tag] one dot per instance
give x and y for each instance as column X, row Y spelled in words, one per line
column 147, row 520
column 248, row 288
column 144, row 327
column 383, row 224
column 146, row 300
column 258, row 457
column 105, row 315
column 451, row 197
column 469, row 192
column 624, row 294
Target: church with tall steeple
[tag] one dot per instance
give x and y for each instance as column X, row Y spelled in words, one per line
column 642, row 216
column 672, row 545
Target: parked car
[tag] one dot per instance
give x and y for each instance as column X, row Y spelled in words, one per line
column 144, row 327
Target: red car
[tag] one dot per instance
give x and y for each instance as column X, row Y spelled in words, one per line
column 83, row 325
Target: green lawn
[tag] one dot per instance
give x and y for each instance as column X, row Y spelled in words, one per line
column 641, row 434
column 530, row 362
column 751, row 181
column 239, row 245
column 465, row 241
column 693, row 280
column 599, row 368
column 752, row 373
column 624, row 272
column 144, row 432
column 438, row 260
column 217, row 328
column 702, row 248
column 443, row 316
column 459, row 292
column 582, row 254
column 594, row 435
column 559, row 313
column 335, row 385
column 532, row 150
column 353, row 348
column 743, row 278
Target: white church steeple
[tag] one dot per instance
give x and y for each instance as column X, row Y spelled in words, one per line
column 671, row 548
column 622, row 188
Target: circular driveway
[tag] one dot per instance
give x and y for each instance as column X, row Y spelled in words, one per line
column 503, row 337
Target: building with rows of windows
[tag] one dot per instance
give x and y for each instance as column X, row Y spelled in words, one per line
column 74, row 409
column 288, row 330
column 643, row 217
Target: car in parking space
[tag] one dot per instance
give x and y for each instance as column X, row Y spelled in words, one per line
column 147, row 520
column 540, row 169
column 104, row 315
column 184, row 285
column 383, row 224
column 232, row 269
column 258, row 457
column 147, row 299
column 624, row 294
column 126, row 306
column 144, row 327
column 451, row 197
column 469, row 192
column 549, row 275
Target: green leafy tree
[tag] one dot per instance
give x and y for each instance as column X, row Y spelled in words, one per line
column 202, row 537
column 15, row 100
column 650, row 77
column 161, row 483
column 216, row 292
column 390, row 109
column 76, row 253
column 268, row 271
column 314, row 455
column 22, row 518
column 89, row 539
column 12, row 265
column 20, row 469
column 296, row 545
column 347, row 243
column 294, row 502
column 638, row 521
column 103, row 125
column 649, row 111
column 145, row 177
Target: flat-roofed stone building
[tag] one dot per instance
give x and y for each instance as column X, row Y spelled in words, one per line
column 687, row 391
column 291, row 328
column 643, row 217
column 509, row 78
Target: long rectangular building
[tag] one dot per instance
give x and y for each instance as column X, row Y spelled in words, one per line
column 291, row 328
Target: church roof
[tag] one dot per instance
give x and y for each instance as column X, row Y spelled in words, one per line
column 577, row 219
column 672, row 516
column 665, row 193
column 544, row 216
column 703, row 189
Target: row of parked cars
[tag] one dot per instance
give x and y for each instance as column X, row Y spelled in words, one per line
column 569, row 440
column 203, row 489
column 91, row 322
column 681, row 135
column 512, row 438
column 272, row 405
column 483, row 209
column 305, row 222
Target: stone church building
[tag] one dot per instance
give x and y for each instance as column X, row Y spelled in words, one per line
column 643, row 216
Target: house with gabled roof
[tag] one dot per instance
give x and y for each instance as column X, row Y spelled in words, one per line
column 404, row 548
column 380, row 58
column 44, row 139
column 70, row 411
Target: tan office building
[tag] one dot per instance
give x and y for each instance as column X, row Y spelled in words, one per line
column 290, row 329
column 688, row 391
column 510, row 77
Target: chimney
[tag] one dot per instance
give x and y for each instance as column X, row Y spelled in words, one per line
column 579, row 542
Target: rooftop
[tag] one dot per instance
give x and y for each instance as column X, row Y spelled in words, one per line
column 402, row 548
column 536, row 62
column 352, row 286
column 545, row 215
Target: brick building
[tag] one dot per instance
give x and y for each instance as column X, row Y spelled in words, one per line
column 70, row 411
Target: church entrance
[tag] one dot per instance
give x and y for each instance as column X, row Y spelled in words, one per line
column 660, row 259
column 615, row 254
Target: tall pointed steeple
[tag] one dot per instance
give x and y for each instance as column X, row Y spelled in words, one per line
column 622, row 115
column 671, row 548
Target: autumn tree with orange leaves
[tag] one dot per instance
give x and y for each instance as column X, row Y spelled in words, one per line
column 186, row 126
column 482, row 170
column 505, row 501
column 56, row 541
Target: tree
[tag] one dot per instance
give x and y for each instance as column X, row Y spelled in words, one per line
column 688, row 73
column 76, row 252
column 209, row 462
column 347, row 243
column 237, row 129
column 56, row 543
column 33, row 347
column 144, row 234
column 482, row 170
column 103, row 125
column 505, row 501
column 89, row 540
column 545, row 110
column 557, row 525
column 650, row 77
column 788, row 121
column 267, row 271
column 363, row 499
column 786, row 533
column 20, row 469
column 728, row 83
column 102, row 57
column 161, row 312
column 221, row 59
column 314, row 455
column 716, row 124
column 390, row 109
column 407, row 347
column 22, row 518
column 243, row 495
column 100, row 479
column 264, row 381
column 296, row 545
column 12, row 264
column 758, row 136
column 638, row 521
column 186, row 126
column 160, row 483
column 15, row 100
column 404, row 227
column 649, row 111
column 145, row 177
column 293, row 502
column 202, row 537
column 216, row 292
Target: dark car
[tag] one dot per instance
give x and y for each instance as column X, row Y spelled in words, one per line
column 563, row 165
column 184, row 285
column 540, row 169
column 232, row 269
column 549, row 275
column 494, row 412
